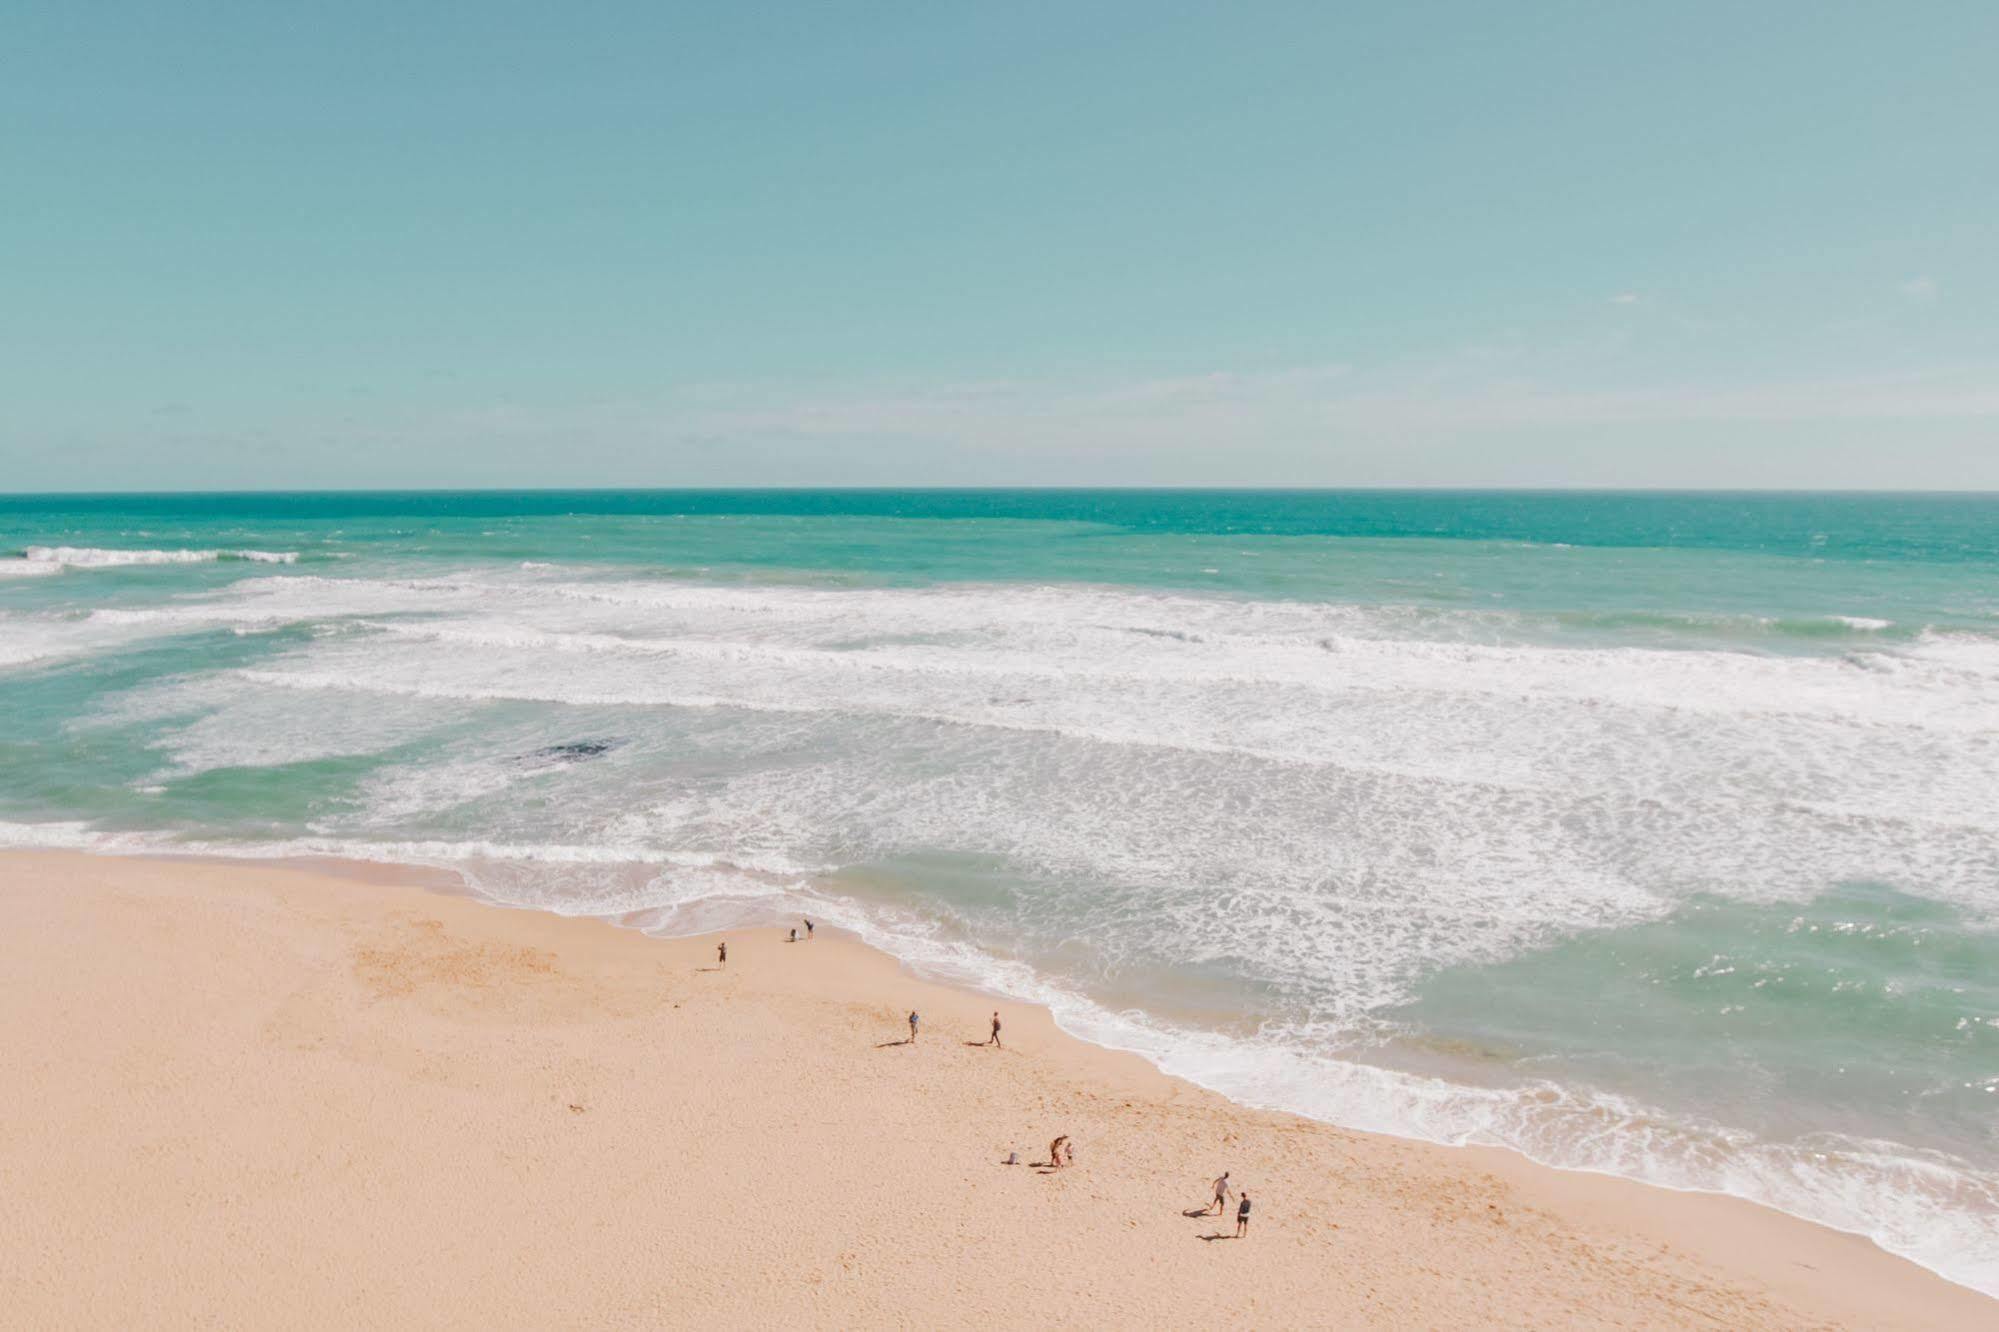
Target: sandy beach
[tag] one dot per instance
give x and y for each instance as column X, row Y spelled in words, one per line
column 244, row 1095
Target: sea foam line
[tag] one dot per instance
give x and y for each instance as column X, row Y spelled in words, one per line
column 94, row 557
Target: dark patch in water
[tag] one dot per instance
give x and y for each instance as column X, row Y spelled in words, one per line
column 570, row 751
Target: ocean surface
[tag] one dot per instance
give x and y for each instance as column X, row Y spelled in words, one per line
column 1648, row 833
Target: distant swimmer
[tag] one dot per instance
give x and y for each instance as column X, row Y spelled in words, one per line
column 913, row 1020
column 1242, row 1216
column 994, row 1038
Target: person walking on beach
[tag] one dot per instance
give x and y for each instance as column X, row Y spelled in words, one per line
column 808, row 928
column 1222, row 1191
column 1242, row 1217
column 994, row 1038
column 913, row 1020
column 722, row 953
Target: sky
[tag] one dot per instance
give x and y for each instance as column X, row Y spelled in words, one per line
column 658, row 244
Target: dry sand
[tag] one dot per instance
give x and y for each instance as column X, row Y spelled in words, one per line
column 252, row 1096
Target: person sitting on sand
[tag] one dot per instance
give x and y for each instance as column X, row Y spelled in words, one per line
column 1242, row 1216
column 794, row 934
column 1055, row 1152
column 994, row 1038
column 913, row 1020
column 1222, row 1191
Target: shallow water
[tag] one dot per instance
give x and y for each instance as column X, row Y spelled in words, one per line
column 1656, row 834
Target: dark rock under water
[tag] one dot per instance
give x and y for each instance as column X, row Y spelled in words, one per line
column 569, row 751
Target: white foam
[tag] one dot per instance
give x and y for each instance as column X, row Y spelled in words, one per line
column 24, row 568
column 93, row 557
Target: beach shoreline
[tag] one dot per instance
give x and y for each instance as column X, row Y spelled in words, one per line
column 353, row 1096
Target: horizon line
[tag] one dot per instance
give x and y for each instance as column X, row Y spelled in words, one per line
column 1003, row 489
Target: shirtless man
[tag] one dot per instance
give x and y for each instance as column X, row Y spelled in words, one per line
column 994, row 1038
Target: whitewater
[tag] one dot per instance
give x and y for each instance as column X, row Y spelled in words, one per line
column 1664, row 843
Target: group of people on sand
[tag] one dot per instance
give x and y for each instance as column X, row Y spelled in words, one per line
column 993, row 1039
column 722, row 945
column 1061, row 1152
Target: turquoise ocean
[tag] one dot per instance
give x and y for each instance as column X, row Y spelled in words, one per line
column 1655, row 834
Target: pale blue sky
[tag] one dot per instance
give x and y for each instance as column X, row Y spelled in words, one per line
column 660, row 244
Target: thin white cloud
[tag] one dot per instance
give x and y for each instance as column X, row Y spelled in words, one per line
column 1529, row 419
column 1919, row 288
column 1172, row 417
column 1625, row 298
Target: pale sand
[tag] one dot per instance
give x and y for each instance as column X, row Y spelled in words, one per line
column 250, row 1096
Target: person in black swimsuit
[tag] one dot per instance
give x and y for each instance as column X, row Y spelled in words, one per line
column 1242, row 1216
column 722, row 954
